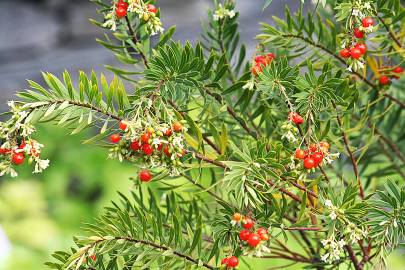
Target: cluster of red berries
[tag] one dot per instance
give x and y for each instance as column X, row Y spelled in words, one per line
column 262, row 61
column 18, row 155
column 295, row 118
column 121, row 9
column 144, row 145
column 359, row 49
column 312, row 156
column 385, row 79
column 248, row 235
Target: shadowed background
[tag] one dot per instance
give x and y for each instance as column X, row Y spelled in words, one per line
column 40, row 213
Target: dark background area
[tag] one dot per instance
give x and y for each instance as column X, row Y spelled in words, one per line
column 54, row 35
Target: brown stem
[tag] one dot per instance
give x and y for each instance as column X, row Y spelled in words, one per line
column 353, row 258
column 352, row 158
column 135, row 41
column 286, row 192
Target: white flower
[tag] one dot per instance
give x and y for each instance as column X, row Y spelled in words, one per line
column 355, row 12
column 249, row 85
column 333, row 215
column 328, row 203
column 222, row 13
column 41, row 164
column 367, row 5
column 289, row 136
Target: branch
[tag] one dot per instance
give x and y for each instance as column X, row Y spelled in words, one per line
column 353, row 258
column 135, row 41
column 392, row 35
column 312, row 43
column 352, row 158
column 232, row 113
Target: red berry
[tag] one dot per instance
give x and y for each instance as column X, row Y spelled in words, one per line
column 93, row 257
column 122, row 4
column 313, row 147
column 4, row 151
column 152, row 8
column 256, row 70
column 296, row 118
column 309, row 163
column 123, row 125
column 384, row 80
column 367, row 21
column 261, row 60
column 224, row 261
column 145, row 176
column 22, row 145
column 177, row 126
column 168, row 132
column 244, row 235
column 345, row 53
column 233, row 262
column 300, row 154
column 135, row 145
column 398, row 70
column 261, row 231
column 271, row 56
column 18, row 158
column 145, row 137
column 355, row 53
column 248, row 223
column 357, row 33
column 181, row 153
column 264, row 237
column 115, row 138
column 254, row 240
column 147, row 149
column 362, row 47
column 166, row 151
column 160, row 146
column 317, row 157
column 121, row 12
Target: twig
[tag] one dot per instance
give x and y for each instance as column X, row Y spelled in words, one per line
column 352, row 158
column 392, row 35
column 353, row 258
column 135, row 40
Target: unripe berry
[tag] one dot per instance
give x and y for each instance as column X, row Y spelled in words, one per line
column 244, row 235
column 345, row 53
column 367, row 21
column 248, row 223
column 168, row 132
column 324, row 145
column 254, row 240
column 300, row 154
column 18, row 158
column 145, row 137
column 145, row 176
column 237, row 217
column 177, row 126
column 264, row 237
column 256, row 70
column 115, row 138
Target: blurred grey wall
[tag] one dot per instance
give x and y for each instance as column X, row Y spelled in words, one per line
column 54, row 35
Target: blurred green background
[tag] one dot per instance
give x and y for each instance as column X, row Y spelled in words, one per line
column 40, row 213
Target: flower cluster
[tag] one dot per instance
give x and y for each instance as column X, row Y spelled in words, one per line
column 222, row 13
column 147, row 13
column 158, row 144
column 17, row 144
column 350, row 234
column 252, row 239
